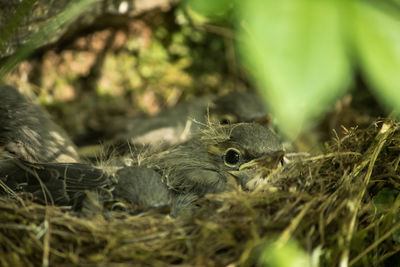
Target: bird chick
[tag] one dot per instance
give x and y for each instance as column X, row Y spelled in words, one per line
column 141, row 186
column 215, row 160
column 63, row 184
column 238, row 107
column 27, row 132
column 177, row 124
column 203, row 164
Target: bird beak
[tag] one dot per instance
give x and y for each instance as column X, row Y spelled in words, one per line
column 264, row 121
column 270, row 161
column 256, row 168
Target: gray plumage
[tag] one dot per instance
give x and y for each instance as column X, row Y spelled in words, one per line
column 200, row 165
column 141, row 186
column 55, row 183
column 177, row 124
column 216, row 160
column 27, row 132
column 238, row 107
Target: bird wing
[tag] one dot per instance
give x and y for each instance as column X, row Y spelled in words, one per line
column 141, row 186
column 55, row 183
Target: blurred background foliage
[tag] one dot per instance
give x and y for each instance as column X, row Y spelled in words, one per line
column 119, row 66
column 301, row 55
column 304, row 54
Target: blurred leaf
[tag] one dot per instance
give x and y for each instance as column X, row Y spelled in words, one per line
column 69, row 14
column 377, row 39
column 288, row 255
column 387, row 201
column 385, row 198
column 295, row 50
column 210, row 8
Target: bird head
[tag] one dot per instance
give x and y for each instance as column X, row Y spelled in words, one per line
column 218, row 158
column 249, row 148
column 237, row 107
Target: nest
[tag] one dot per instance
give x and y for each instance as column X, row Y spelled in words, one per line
column 340, row 207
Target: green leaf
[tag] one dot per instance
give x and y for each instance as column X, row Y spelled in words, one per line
column 377, row 40
column 210, row 8
column 296, row 52
column 387, row 203
column 288, row 255
column 385, row 198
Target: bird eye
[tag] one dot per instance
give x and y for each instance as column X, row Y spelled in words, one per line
column 232, row 157
column 120, row 207
column 228, row 119
column 282, row 162
column 225, row 121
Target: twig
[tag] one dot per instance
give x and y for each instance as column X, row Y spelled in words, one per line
column 372, row 156
column 375, row 244
column 293, row 225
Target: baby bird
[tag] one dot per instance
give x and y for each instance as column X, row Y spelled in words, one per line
column 177, row 124
column 37, row 156
column 63, row 184
column 27, row 132
column 215, row 160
